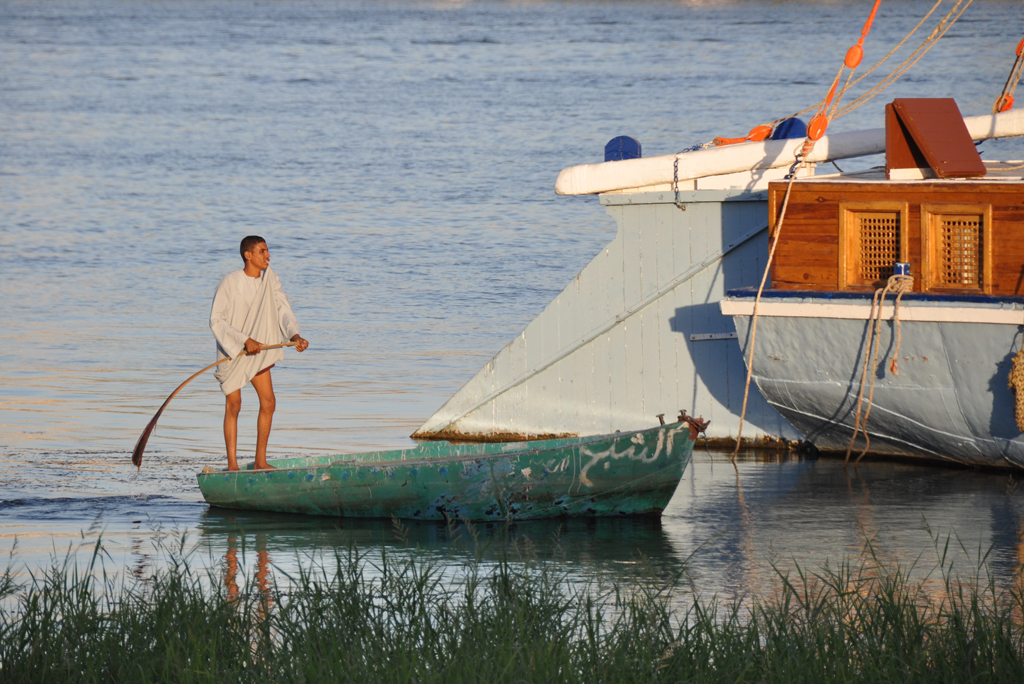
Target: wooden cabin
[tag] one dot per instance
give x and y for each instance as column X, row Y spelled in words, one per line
column 847, row 232
column 962, row 230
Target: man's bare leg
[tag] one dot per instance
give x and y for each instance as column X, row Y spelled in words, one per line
column 265, row 389
column 232, row 405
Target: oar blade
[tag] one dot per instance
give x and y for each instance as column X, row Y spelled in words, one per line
column 140, row 446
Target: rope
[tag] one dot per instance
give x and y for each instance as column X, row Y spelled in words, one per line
column 662, row 290
column 899, row 284
column 899, row 44
column 829, row 107
column 927, row 44
column 1005, row 99
column 815, row 131
column 757, row 301
column 1017, row 385
column 819, row 122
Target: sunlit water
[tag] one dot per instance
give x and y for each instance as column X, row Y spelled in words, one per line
column 399, row 157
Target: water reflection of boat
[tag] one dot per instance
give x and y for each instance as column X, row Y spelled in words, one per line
column 629, row 473
column 591, row 543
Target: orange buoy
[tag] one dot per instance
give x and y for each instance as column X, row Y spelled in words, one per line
column 817, row 127
column 759, row 133
column 1004, row 103
column 718, row 142
column 854, row 55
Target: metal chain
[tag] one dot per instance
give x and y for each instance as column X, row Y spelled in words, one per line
column 675, row 183
column 675, row 170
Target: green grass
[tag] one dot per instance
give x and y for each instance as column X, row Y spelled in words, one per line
column 405, row 621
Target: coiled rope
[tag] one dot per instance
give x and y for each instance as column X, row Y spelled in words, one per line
column 898, row 284
column 1017, row 385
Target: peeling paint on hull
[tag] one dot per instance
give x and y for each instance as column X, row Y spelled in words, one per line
column 630, row 473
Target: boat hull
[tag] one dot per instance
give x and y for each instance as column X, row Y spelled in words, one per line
column 949, row 399
column 636, row 333
column 632, row 473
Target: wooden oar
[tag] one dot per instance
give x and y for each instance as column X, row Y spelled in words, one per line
column 140, row 446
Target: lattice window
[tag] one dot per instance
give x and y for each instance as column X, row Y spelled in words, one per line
column 879, row 244
column 871, row 240
column 960, row 251
column 956, row 240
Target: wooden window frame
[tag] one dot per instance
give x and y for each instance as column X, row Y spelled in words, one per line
column 849, row 233
column 929, row 243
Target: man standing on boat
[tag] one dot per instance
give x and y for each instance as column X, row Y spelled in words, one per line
column 250, row 309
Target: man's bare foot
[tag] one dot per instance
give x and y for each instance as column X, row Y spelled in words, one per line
column 264, row 466
column 232, row 468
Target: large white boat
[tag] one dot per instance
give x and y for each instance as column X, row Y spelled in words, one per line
column 639, row 332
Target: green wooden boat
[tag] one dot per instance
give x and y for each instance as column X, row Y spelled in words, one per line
column 628, row 473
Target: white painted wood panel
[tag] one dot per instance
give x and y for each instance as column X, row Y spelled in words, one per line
column 613, row 349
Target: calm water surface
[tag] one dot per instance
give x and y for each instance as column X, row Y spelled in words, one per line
column 399, row 157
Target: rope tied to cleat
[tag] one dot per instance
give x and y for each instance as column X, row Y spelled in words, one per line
column 898, row 284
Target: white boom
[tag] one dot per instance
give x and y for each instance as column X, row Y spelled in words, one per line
column 590, row 179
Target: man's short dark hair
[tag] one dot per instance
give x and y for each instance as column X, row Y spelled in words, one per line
column 248, row 243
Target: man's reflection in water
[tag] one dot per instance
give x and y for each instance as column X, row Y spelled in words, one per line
column 262, row 566
column 262, row 569
column 231, row 569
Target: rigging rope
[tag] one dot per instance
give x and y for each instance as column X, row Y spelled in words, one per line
column 829, row 110
column 927, row 44
column 814, row 132
column 757, row 301
column 1005, row 99
column 899, row 44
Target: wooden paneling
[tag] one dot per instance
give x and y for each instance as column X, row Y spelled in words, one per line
column 808, row 257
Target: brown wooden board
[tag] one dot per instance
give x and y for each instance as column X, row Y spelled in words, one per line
column 808, row 255
column 900, row 150
column 938, row 132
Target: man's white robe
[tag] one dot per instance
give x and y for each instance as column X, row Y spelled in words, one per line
column 245, row 307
